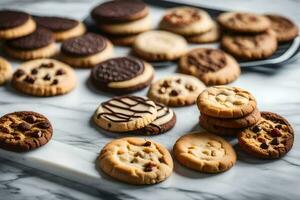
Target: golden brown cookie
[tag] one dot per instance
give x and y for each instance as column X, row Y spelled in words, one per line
column 5, row 71
column 23, row 131
column 44, row 77
column 272, row 137
column 176, row 90
column 226, row 102
column 123, row 40
column 136, row 161
column 204, row 152
column 212, row 66
column 213, row 35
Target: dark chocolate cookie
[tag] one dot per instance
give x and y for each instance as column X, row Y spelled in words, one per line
column 23, row 131
column 55, row 24
column 119, row 11
column 271, row 137
column 85, row 45
column 11, row 19
column 39, row 38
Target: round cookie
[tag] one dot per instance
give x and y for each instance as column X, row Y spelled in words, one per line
column 159, row 46
column 186, row 21
column 125, row 113
column 136, row 161
column 213, row 35
column 250, row 47
column 226, row 102
column 176, row 90
column 212, row 66
column 23, row 131
column 39, row 44
column 62, row 28
column 119, row 11
column 86, row 51
column 283, row 27
column 44, row 77
column 204, row 152
column 123, row 40
column 5, row 71
column 164, row 121
column 14, row 24
column 272, row 137
column 244, row 22
column 122, row 75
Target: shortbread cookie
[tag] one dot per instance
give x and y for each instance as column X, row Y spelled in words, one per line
column 226, row 102
column 5, row 71
column 210, row 36
column 125, row 113
column 244, row 22
column 164, row 121
column 242, row 122
column 176, row 90
column 44, row 77
column 14, row 24
column 271, row 137
column 186, row 21
column 159, row 46
column 86, row 51
column 204, row 152
column 39, row 44
column 23, row 131
column 212, row 66
column 62, row 28
column 283, row 27
column 123, row 40
column 119, row 11
column 250, row 47
column 136, row 161
column 122, row 75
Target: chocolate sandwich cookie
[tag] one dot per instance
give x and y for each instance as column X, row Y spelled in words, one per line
column 23, row 131
column 14, row 24
column 62, row 28
column 122, row 75
column 272, row 137
column 86, row 51
column 39, row 44
column 5, row 71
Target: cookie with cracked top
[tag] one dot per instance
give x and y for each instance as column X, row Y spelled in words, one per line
column 24, row 131
column 272, row 137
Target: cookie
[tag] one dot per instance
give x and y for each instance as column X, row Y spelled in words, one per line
column 213, row 35
column 244, row 22
column 136, row 161
column 212, row 66
column 250, row 47
column 86, row 51
column 123, row 40
column 125, row 113
column 283, row 27
column 39, row 44
column 14, row 24
column 272, row 137
column 24, row 131
column 159, row 46
column 5, row 71
column 176, row 90
column 186, row 21
column 204, row 152
column 44, row 77
column 226, row 102
column 122, row 75
column 62, row 28
column 119, row 11
column 164, row 121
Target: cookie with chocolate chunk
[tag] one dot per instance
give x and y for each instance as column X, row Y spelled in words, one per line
column 23, row 131
column 44, row 77
column 212, row 66
column 272, row 137
column 5, row 71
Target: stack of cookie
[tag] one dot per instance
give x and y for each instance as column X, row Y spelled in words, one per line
column 227, row 110
column 122, row 20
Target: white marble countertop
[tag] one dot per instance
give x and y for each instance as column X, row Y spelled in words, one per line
column 276, row 90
